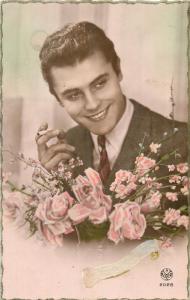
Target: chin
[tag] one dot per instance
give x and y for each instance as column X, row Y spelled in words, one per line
column 101, row 131
column 101, row 127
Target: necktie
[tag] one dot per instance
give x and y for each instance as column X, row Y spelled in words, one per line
column 104, row 166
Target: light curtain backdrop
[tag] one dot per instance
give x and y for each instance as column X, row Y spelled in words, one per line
column 151, row 41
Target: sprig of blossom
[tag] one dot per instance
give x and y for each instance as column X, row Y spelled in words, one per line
column 59, row 201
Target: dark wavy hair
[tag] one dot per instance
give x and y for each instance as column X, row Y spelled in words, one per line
column 72, row 44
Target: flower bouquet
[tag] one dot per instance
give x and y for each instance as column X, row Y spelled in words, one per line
column 71, row 202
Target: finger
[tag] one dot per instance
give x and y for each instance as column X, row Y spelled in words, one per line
column 47, row 136
column 43, row 126
column 52, row 163
column 61, row 135
column 57, row 148
column 38, row 135
column 41, row 130
column 43, row 139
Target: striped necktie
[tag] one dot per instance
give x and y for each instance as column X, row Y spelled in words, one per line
column 104, row 166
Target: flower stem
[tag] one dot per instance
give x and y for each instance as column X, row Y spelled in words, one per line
column 36, row 181
column 17, row 189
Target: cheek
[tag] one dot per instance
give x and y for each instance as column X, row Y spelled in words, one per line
column 73, row 108
column 110, row 93
column 114, row 89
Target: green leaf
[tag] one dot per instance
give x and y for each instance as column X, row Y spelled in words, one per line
column 89, row 231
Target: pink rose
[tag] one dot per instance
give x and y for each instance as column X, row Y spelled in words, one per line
column 151, row 203
column 123, row 191
column 171, row 196
column 120, row 191
column 171, row 216
column 182, row 168
column 13, row 204
column 126, row 222
column 93, row 203
column 123, row 175
column 144, row 164
column 124, row 183
column 49, row 236
column 53, row 212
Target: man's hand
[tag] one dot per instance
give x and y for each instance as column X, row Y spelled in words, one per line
column 51, row 156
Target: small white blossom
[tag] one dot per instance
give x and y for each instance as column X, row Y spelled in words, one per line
column 173, row 187
column 171, row 168
column 154, row 147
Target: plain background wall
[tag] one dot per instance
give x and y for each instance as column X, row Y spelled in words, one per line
column 151, row 41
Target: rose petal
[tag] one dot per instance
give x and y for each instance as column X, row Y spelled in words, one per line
column 68, row 197
column 118, row 218
column 50, row 237
column 81, row 180
column 61, row 227
column 93, row 177
column 98, row 216
column 78, row 213
column 113, row 235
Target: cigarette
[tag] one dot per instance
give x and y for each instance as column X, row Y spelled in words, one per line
column 41, row 132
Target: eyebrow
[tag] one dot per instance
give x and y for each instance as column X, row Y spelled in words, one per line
column 102, row 76
column 72, row 90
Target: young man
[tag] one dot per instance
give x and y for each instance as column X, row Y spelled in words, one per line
column 83, row 72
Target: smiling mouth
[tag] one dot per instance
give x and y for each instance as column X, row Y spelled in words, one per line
column 100, row 116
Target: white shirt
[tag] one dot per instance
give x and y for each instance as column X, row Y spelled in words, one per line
column 115, row 138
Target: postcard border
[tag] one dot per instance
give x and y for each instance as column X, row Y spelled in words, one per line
column 153, row 2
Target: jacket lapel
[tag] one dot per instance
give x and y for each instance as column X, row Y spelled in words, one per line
column 139, row 127
column 87, row 155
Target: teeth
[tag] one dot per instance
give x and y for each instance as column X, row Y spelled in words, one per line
column 99, row 116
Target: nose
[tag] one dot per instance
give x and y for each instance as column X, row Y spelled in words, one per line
column 91, row 101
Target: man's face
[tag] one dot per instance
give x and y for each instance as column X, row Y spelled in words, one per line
column 90, row 92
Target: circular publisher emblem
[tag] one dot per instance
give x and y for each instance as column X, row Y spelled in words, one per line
column 166, row 274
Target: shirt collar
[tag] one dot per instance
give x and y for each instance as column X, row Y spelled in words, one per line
column 118, row 133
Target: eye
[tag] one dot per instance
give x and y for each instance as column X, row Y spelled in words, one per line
column 74, row 96
column 100, row 84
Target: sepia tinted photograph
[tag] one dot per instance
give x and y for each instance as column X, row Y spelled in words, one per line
column 95, row 166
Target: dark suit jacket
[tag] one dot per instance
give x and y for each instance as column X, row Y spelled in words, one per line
column 144, row 121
